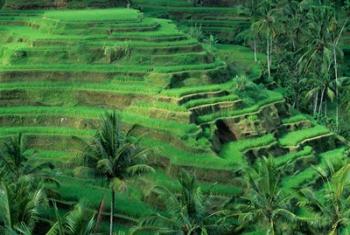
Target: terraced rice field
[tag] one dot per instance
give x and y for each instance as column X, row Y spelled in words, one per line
column 223, row 22
column 61, row 70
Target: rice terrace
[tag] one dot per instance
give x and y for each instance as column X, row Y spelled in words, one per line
column 178, row 117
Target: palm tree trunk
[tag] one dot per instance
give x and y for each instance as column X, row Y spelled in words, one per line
column 99, row 214
column 297, row 93
column 271, row 47
column 255, row 52
column 272, row 227
column 268, row 57
column 321, row 100
column 336, row 88
column 112, row 212
column 336, row 73
column 315, row 103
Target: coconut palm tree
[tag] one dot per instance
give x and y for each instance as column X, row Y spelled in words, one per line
column 337, row 32
column 78, row 221
column 331, row 212
column 20, row 206
column 291, row 16
column 322, row 51
column 264, row 203
column 322, row 89
column 249, row 35
column 267, row 26
column 316, row 59
column 188, row 212
column 16, row 160
column 113, row 154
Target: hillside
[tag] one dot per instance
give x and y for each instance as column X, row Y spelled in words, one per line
column 197, row 106
column 222, row 21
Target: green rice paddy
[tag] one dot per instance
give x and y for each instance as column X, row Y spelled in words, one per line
column 56, row 84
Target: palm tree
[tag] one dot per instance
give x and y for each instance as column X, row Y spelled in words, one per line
column 78, row 221
column 336, row 36
column 331, row 212
column 20, row 206
column 250, row 34
column 267, row 26
column 326, row 88
column 322, row 51
column 316, row 60
column 291, row 17
column 115, row 155
column 189, row 212
column 15, row 161
column 264, row 203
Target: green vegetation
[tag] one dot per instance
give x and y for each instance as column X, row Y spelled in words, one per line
column 193, row 117
column 235, row 151
column 298, row 137
column 95, row 15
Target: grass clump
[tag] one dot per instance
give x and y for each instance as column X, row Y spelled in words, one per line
column 307, row 151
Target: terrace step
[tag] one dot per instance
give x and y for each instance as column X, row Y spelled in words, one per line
column 70, row 77
column 201, row 95
column 162, row 110
column 47, row 120
column 309, row 175
column 48, row 138
column 146, row 38
column 62, row 159
column 169, row 49
column 154, row 48
column 237, row 151
column 14, row 21
column 83, row 117
column 244, row 112
column 306, row 152
column 70, row 28
column 74, row 95
column 89, row 55
column 296, row 122
column 201, row 106
column 215, row 107
column 79, row 68
column 293, row 140
column 115, row 68
column 216, row 22
column 20, row 13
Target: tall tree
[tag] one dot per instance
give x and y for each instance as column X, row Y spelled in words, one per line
column 267, row 26
column 336, row 31
column 316, row 60
column 113, row 154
